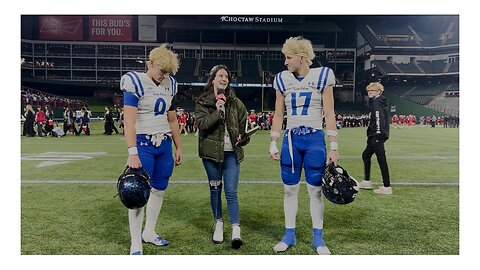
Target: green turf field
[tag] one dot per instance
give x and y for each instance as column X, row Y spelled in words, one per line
column 68, row 184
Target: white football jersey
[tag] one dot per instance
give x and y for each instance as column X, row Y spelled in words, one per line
column 303, row 99
column 153, row 101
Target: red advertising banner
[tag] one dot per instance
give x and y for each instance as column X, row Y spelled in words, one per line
column 60, row 28
column 110, row 28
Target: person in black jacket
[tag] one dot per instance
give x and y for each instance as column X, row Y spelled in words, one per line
column 29, row 121
column 109, row 126
column 377, row 133
column 85, row 122
column 69, row 121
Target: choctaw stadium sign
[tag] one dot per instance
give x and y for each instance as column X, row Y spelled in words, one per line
column 251, row 19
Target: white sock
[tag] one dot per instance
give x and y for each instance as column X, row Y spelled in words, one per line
column 154, row 205
column 135, row 221
column 316, row 205
column 290, row 204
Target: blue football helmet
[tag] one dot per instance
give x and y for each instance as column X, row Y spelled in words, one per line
column 337, row 186
column 134, row 188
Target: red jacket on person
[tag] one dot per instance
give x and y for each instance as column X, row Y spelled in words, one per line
column 40, row 117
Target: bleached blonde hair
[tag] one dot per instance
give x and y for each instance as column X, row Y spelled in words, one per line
column 375, row 86
column 165, row 58
column 299, row 46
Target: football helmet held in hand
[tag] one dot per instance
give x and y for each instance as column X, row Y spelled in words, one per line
column 134, row 188
column 337, row 186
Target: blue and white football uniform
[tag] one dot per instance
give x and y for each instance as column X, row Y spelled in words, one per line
column 304, row 140
column 153, row 102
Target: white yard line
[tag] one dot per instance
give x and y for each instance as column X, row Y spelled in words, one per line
column 40, row 156
column 243, row 182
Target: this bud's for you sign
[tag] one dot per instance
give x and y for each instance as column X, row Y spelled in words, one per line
column 110, row 28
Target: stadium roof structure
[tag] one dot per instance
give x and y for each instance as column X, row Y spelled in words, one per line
column 269, row 23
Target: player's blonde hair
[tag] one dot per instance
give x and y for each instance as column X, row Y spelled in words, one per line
column 165, row 58
column 299, row 46
column 375, row 86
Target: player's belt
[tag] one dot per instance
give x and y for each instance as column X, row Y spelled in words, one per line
column 165, row 135
column 302, row 130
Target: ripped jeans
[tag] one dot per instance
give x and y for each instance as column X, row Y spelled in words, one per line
column 230, row 170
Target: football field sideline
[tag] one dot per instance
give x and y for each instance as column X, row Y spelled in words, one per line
column 242, row 182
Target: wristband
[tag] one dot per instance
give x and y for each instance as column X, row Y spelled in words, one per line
column 274, row 134
column 333, row 133
column 273, row 148
column 132, row 150
column 334, row 146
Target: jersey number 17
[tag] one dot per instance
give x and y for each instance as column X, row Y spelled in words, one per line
column 306, row 96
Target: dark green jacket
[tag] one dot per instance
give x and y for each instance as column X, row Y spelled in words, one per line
column 211, row 129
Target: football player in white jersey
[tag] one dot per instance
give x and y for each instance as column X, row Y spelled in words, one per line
column 150, row 126
column 307, row 95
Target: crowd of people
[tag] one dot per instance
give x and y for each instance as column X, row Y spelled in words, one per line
column 78, row 121
column 39, row 98
column 408, row 121
column 41, row 123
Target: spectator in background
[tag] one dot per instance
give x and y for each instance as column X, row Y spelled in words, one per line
column 40, row 120
column 191, row 122
column 65, row 119
column 84, row 122
column 69, row 121
column 182, row 121
column 252, row 119
column 29, row 121
column 121, row 120
column 49, row 119
column 109, row 125
column 377, row 133
column 433, row 121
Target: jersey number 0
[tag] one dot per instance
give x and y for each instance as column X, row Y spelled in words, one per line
column 160, row 106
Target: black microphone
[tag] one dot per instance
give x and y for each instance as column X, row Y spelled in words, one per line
column 221, row 96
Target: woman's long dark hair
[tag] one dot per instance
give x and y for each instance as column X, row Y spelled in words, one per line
column 213, row 72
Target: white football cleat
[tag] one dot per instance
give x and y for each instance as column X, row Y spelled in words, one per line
column 156, row 240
